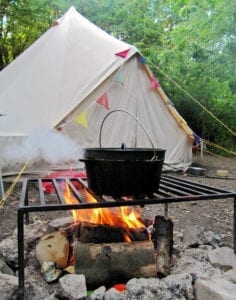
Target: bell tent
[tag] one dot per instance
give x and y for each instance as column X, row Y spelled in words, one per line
column 68, row 81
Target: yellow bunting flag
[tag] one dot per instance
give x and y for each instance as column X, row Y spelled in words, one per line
column 82, row 119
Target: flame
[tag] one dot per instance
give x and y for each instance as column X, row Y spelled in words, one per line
column 125, row 217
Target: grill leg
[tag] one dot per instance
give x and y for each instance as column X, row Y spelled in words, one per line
column 234, row 226
column 21, row 278
column 166, row 210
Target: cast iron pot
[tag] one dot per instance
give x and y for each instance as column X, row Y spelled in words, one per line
column 123, row 172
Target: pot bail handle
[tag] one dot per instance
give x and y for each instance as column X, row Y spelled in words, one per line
column 155, row 157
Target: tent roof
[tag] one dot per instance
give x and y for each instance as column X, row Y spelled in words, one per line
column 55, row 74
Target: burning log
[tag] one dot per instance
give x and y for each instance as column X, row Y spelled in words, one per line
column 114, row 262
column 99, row 233
column 87, row 232
column 104, row 233
column 162, row 237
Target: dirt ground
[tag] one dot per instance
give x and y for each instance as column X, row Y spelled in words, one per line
column 215, row 215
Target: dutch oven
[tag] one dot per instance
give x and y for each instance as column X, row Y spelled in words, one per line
column 123, row 171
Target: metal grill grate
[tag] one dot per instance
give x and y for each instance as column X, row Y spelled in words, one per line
column 171, row 189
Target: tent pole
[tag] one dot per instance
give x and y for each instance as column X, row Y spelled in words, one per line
column 1, row 185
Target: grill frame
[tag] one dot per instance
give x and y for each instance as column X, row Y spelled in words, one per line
column 171, row 190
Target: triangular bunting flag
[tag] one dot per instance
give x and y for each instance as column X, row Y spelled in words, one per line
column 82, row 119
column 118, row 77
column 143, row 60
column 103, row 101
column 154, row 83
column 123, row 54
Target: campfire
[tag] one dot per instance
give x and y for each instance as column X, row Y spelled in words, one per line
column 114, row 260
column 112, row 242
column 109, row 224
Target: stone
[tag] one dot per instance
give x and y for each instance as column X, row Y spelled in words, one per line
column 215, row 289
column 223, row 258
column 193, row 236
column 34, row 291
column 53, row 247
column 177, row 286
column 196, row 235
column 4, row 268
column 8, row 287
column 113, row 294
column 231, row 275
column 72, row 287
column 60, row 223
column 98, row 294
column 34, row 231
column 170, row 287
column 9, row 251
column 194, row 261
column 143, row 288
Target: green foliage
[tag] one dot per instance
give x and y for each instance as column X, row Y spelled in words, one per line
column 191, row 41
column 21, row 23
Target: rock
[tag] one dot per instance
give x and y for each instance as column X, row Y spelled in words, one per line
column 171, row 287
column 8, row 287
column 60, row 223
column 33, row 231
column 216, row 289
column 196, row 235
column 223, row 258
column 53, row 247
column 4, row 268
column 231, row 275
column 143, row 288
column 72, row 287
column 98, row 294
column 194, row 261
column 9, row 251
column 193, row 236
column 213, row 239
column 113, row 294
column 177, row 286
column 34, row 291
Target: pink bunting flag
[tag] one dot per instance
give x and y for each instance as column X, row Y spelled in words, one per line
column 103, row 101
column 123, row 54
column 154, row 83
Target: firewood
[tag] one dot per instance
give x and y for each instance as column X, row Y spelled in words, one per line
column 104, row 233
column 162, row 237
column 97, row 233
column 114, row 262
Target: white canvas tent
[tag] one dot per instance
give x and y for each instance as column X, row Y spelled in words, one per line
column 69, row 79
